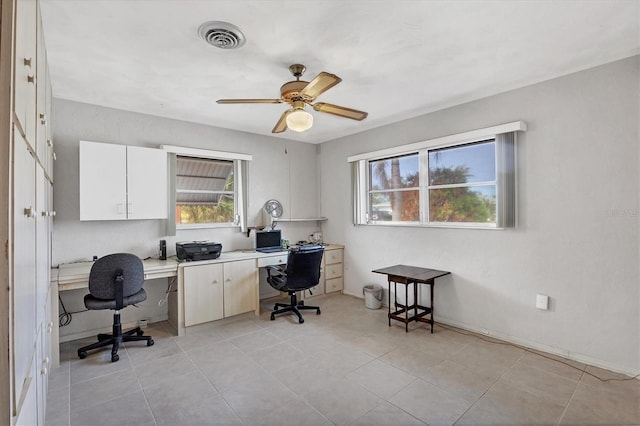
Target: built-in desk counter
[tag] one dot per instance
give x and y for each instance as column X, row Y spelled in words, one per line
column 206, row 290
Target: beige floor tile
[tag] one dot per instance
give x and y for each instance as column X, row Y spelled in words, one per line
column 102, row 389
column 486, row 358
column 462, row 382
column 380, row 378
column 429, row 403
column 542, row 383
column 552, row 364
column 509, row 405
column 186, row 391
column 98, row 364
column 140, row 353
column 257, row 398
column 290, row 413
column 387, row 414
column 602, row 404
column 164, row 369
column 254, row 341
column 57, row 407
column 412, row 362
column 130, row 409
column 60, row 377
column 343, row 402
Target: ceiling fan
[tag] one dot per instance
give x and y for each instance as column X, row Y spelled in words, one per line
column 299, row 93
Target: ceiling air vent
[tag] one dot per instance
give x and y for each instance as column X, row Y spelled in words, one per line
column 221, row 34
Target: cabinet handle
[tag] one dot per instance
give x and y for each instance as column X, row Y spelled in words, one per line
column 27, row 62
column 215, row 281
column 53, row 155
column 52, row 213
column 45, row 213
column 31, row 78
column 44, row 371
column 49, row 143
column 45, row 361
column 228, row 280
column 43, row 118
column 30, row 212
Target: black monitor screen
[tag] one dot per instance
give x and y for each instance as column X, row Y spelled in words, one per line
column 268, row 238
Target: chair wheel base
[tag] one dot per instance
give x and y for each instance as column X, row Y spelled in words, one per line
column 139, row 333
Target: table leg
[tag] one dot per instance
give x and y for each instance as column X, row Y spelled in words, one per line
column 389, row 298
column 432, row 284
column 406, row 308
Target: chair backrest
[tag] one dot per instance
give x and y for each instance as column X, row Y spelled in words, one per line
column 105, row 270
column 303, row 267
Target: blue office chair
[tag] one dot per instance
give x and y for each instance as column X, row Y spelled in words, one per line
column 115, row 281
column 301, row 273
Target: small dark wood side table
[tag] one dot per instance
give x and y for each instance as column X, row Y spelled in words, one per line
column 403, row 274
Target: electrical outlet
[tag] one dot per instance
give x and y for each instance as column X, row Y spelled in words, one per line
column 542, row 302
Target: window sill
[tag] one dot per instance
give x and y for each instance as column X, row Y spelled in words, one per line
column 492, row 227
column 205, row 225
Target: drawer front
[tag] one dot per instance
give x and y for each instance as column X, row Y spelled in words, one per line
column 272, row 260
column 333, row 256
column 334, row 284
column 333, row 271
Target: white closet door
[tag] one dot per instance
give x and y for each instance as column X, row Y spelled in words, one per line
column 147, row 183
column 24, row 276
column 103, row 181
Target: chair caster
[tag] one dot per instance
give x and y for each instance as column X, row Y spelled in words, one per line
column 82, row 355
column 139, row 333
column 301, row 303
column 115, row 357
column 301, row 320
column 150, row 342
column 318, row 312
column 273, row 317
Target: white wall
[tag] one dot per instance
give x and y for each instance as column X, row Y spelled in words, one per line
column 577, row 238
column 284, row 170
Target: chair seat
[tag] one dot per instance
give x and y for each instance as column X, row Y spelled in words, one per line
column 94, row 303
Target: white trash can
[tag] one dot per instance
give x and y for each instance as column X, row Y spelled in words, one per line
column 372, row 296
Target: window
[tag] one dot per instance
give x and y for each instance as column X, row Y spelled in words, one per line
column 462, row 183
column 394, row 189
column 208, row 188
column 205, row 191
column 465, row 180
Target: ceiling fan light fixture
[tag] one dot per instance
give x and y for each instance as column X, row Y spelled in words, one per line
column 299, row 120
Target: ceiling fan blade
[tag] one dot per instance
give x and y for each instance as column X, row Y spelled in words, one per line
column 281, row 125
column 249, row 101
column 340, row 111
column 323, row 82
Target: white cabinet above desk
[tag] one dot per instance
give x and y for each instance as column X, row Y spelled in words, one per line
column 119, row 182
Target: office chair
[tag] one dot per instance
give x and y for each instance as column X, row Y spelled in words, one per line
column 301, row 273
column 115, row 281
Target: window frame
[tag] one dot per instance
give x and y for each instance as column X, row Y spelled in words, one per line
column 504, row 138
column 240, row 187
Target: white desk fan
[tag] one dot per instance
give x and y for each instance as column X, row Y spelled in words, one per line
column 272, row 211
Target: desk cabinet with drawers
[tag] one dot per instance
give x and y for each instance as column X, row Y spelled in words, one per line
column 331, row 272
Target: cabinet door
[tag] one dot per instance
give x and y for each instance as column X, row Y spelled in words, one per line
column 42, row 246
column 41, row 96
column 24, row 262
column 103, row 181
column 147, row 183
column 203, row 293
column 240, row 287
column 25, row 67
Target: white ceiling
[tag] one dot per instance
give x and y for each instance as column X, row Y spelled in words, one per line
column 397, row 59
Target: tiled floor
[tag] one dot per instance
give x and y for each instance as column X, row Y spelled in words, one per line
column 344, row 367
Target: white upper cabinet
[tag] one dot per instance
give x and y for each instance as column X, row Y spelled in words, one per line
column 119, row 182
